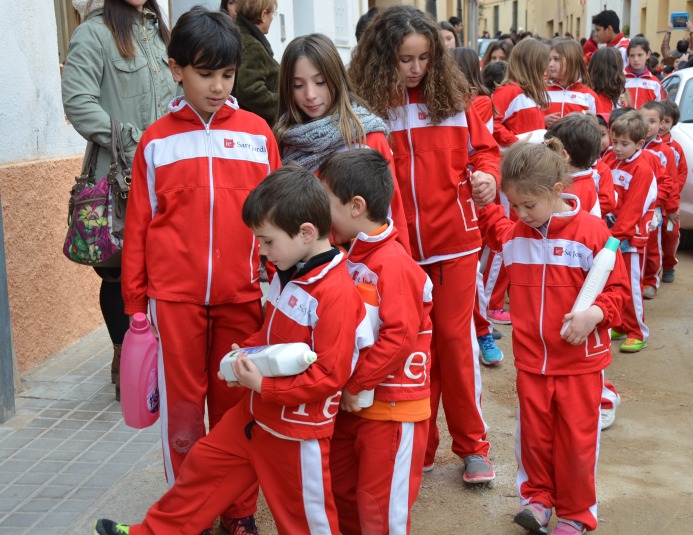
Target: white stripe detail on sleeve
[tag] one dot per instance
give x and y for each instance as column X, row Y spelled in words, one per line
column 398, row 512
column 313, row 489
column 520, row 102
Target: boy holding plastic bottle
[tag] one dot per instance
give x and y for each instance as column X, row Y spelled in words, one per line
column 279, row 435
column 378, row 452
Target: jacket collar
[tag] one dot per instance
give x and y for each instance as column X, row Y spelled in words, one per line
column 248, row 27
column 559, row 220
column 182, row 110
column 363, row 244
column 318, row 267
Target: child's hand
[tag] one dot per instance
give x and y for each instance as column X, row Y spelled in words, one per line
column 349, row 402
column 551, row 118
column 483, row 188
column 673, row 217
column 581, row 324
column 247, row 374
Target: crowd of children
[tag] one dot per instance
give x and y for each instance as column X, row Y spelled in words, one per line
column 389, row 175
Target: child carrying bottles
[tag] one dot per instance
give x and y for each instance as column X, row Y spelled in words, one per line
column 641, row 84
column 319, row 114
column 377, row 453
column 403, row 70
column 520, row 100
column 548, row 253
column 280, row 433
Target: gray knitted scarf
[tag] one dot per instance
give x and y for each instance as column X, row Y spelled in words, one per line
column 310, row 143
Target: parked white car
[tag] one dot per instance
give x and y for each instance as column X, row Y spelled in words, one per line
column 679, row 87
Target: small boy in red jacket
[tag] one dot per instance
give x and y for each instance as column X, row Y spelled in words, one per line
column 279, row 435
column 378, row 452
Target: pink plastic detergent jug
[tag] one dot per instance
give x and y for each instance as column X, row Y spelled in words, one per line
column 139, row 385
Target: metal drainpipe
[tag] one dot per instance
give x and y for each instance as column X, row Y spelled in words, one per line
column 6, row 354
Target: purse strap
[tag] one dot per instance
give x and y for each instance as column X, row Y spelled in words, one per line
column 118, row 179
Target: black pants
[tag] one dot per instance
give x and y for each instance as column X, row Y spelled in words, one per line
column 112, row 306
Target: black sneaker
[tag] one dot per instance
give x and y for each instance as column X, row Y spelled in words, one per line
column 104, row 526
column 239, row 526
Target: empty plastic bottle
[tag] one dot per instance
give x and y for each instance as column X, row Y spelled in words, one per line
column 278, row 360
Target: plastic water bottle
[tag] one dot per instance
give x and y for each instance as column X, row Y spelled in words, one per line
column 278, row 360
column 139, row 383
column 602, row 265
column 369, row 294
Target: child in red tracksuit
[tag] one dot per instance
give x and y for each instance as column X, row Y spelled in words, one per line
column 636, row 189
column 402, row 69
column 668, row 198
column 567, row 73
column 279, row 435
column 520, row 100
column 672, row 232
column 641, row 84
column 601, row 172
column 548, row 253
column 377, row 453
column 188, row 258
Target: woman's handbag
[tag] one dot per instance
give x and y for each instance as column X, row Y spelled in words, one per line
column 96, row 211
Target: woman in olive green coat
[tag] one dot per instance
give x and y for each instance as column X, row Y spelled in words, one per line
column 257, row 81
column 116, row 67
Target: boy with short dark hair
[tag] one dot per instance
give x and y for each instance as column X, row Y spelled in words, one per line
column 188, row 258
column 280, row 434
column 636, row 188
column 672, row 232
column 378, row 452
column 579, row 133
column 607, row 27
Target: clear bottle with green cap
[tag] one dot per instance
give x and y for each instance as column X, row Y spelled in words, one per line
column 602, row 266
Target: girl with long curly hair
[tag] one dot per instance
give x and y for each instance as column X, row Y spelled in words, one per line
column 403, row 70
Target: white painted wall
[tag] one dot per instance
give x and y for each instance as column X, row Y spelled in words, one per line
column 32, row 122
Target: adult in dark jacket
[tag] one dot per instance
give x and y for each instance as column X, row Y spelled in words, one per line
column 257, row 82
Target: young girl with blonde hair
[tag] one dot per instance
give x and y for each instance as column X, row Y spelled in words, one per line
column 568, row 82
column 522, row 97
column 402, row 69
column 548, row 252
column 319, row 114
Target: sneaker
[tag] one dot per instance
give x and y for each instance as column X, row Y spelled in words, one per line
column 649, row 292
column 428, row 468
column 490, row 352
column 609, row 405
column 478, row 469
column 497, row 335
column 632, row 345
column 615, row 335
column 533, row 517
column 239, row 526
column 499, row 316
column 103, row 526
column 568, row 527
column 668, row 275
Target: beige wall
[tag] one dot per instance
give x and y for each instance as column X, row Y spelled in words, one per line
column 53, row 301
column 505, row 15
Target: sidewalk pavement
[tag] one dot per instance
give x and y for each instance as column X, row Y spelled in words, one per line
column 67, row 457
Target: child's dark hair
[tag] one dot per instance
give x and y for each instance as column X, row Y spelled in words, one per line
column 654, row 105
column 607, row 18
column 581, row 138
column 493, row 74
column 671, row 109
column 364, row 173
column 606, row 73
column 206, row 40
column 617, row 113
column 601, row 120
column 534, row 169
column 364, row 20
column 468, row 61
column 641, row 42
column 287, row 198
column 630, row 124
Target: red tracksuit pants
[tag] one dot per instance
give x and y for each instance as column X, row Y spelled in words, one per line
column 670, row 243
column 293, row 474
column 481, row 322
column 194, row 338
column 557, row 442
column 376, row 471
column 455, row 373
column 633, row 313
column 653, row 258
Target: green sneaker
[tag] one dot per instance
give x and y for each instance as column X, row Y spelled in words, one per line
column 632, row 345
column 104, row 526
column 615, row 335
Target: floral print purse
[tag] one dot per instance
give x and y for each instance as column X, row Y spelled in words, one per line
column 96, row 210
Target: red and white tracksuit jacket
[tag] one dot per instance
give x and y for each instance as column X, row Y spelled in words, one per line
column 577, row 97
column 583, row 187
column 604, row 104
column 515, row 113
column 288, row 451
column 483, row 106
column 604, row 183
column 559, row 385
column 670, row 238
column 189, row 257
column 621, row 43
column 433, row 166
column 643, row 87
column 377, row 454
